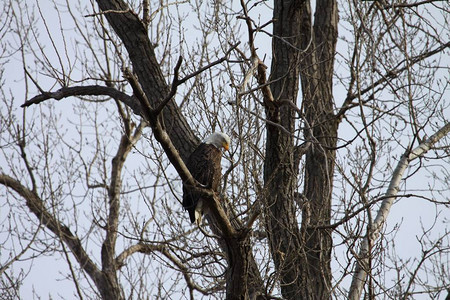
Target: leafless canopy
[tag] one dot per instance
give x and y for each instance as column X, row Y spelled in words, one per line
column 335, row 186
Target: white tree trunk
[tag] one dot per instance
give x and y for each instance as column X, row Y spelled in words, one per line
column 360, row 275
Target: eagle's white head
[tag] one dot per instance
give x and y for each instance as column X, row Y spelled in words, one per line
column 218, row 139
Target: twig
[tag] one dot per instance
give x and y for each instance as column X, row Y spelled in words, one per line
column 177, row 82
column 111, row 11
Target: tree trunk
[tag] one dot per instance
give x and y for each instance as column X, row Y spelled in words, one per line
column 280, row 176
column 239, row 281
column 317, row 86
column 301, row 257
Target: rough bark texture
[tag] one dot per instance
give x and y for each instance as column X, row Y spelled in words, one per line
column 237, row 276
column 302, row 257
column 316, row 76
column 279, row 173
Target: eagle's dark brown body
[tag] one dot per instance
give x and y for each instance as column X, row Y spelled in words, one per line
column 204, row 165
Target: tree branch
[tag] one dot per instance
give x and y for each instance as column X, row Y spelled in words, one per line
column 36, row 205
column 89, row 90
column 108, row 247
column 362, row 260
column 177, row 82
column 258, row 67
column 391, row 74
column 146, row 248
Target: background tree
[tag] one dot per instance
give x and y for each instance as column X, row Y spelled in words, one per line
column 325, row 141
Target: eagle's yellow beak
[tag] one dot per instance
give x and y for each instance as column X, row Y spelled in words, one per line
column 226, row 146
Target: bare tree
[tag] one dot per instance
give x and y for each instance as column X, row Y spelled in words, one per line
column 325, row 143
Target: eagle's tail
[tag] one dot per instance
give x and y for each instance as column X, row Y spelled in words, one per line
column 198, row 213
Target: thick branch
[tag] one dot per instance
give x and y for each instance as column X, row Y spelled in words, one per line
column 108, row 247
column 90, row 90
column 36, row 205
column 134, row 35
column 360, row 273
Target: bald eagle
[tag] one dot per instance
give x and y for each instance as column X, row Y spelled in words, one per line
column 204, row 165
